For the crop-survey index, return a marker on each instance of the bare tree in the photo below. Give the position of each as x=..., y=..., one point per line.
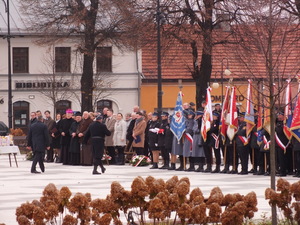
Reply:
x=267, y=36
x=193, y=23
x=54, y=86
x=92, y=22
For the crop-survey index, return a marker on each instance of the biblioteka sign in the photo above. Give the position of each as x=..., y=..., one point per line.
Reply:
x=41, y=85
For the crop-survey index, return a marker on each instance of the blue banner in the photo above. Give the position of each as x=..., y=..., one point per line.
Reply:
x=178, y=119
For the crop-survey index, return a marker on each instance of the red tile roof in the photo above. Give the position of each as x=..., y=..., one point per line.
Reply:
x=177, y=58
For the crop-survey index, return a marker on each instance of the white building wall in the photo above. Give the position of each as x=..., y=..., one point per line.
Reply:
x=124, y=91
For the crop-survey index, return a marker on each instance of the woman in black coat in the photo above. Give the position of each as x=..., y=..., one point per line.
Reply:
x=74, y=149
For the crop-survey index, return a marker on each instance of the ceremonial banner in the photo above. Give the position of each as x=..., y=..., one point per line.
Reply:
x=207, y=116
x=288, y=111
x=259, y=125
x=267, y=118
x=223, y=126
x=295, y=125
x=232, y=117
x=178, y=120
x=249, y=117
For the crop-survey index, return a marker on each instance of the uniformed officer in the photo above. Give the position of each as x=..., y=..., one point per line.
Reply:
x=214, y=141
x=153, y=139
x=296, y=149
x=281, y=145
x=161, y=140
x=242, y=144
x=198, y=150
x=188, y=140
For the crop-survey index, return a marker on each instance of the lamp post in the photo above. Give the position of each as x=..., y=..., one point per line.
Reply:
x=159, y=79
x=8, y=37
x=227, y=72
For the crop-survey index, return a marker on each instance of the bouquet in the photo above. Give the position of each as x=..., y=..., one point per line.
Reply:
x=140, y=160
x=106, y=157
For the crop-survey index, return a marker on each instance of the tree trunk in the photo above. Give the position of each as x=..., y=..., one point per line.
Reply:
x=87, y=83
x=87, y=78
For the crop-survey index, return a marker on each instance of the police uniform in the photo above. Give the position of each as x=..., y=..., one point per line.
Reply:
x=161, y=141
x=281, y=148
x=296, y=149
x=214, y=141
x=188, y=137
x=197, y=149
x=242, y=146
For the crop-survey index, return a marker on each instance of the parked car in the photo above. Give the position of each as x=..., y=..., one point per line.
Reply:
x=3, y=129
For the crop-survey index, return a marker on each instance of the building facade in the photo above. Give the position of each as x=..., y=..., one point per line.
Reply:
x=47, y=77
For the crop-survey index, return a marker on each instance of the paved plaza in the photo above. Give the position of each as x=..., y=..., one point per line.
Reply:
x=18, y=185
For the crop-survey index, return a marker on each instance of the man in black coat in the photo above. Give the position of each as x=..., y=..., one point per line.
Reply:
x=242, y=144
x=97, y=131
x=38, y=141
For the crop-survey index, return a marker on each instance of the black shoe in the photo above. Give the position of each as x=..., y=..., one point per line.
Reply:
x=179, y=168
x=217, y=170
x=172, y=167
x=281, y=175
x=243, y=173
x=200, y=169
x=297, y=175
x=164, y=167
x=191, y=169
x=35, y=171
x=154, y=166
x=233, y=172
x=43, y=170
x=251, y=171
x=291, y=173
x=267, y=174
x=224, y=171
x=96, y=173
x=103, y=170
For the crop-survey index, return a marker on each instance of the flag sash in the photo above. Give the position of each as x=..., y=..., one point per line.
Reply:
x=280, y=144
x=190, y=139
x=243, y=139
x=233, y=121
x=223, y=125
x=266, y=142
x=295, y=125
x=217, y=141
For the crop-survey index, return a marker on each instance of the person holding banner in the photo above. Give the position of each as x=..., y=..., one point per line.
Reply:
x=214, y=141
x=161, y=140
x=281, y=146
x=242, y=144
x=153, y=139
x=296, y=150
x=198, y=150
x=188, y=139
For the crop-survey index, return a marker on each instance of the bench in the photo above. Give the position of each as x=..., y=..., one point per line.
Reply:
x=10, y=150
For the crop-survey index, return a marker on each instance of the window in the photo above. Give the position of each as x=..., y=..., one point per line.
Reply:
x=62, y=105
x=103, y=104
x=20, y=60
x=62, y=59
x=21, y=115
x=104, y=59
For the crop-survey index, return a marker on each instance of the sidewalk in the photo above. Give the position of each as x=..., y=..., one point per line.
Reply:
x=18, y=185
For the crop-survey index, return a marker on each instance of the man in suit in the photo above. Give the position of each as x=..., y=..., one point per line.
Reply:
x=109, y=144
x=51, y=124
x=97, y=132
x=38, y=141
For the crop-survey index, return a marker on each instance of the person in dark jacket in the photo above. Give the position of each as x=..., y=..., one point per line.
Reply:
x=97, y=132
x=169, y=141
x=214, y=140
x=55, y=134
x=38, y=142
x=50, y=123
x=129, y=132
x=153, y=139
x=74, y=149
x=296, y=149
x=65, y=136
x=242, y=144
x=161, y=140
x=281, y=145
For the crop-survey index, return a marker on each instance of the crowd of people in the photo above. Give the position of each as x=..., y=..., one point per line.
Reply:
x=84, y=139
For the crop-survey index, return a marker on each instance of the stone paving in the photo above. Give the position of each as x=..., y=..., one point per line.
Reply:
x=18, y=185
